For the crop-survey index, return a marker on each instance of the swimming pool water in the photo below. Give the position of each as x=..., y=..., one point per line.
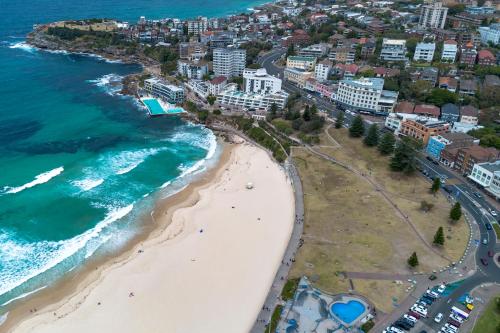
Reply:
x=348, y=312
x=154, y=106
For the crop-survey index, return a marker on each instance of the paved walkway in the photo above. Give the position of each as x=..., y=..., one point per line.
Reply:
x=273, y=298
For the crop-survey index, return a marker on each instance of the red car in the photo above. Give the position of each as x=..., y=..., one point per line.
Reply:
x=490, y=254
x=414, y=314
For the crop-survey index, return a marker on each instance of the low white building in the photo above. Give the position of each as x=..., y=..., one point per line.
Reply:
x=462, y=127
x=192, y=69
x=322, y=70
x=257, y=81
x=490, y=34
x=207, y=88
x=297, y=76
x=232, y=97
x=424, y=52
x=485, y=174
x=393, y=120
x=393, y=50
x=450, y=50
x=164, y=90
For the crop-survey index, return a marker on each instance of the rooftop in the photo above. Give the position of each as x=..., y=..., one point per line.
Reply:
x=373, y=83
x=301, y=58
x=491, y=166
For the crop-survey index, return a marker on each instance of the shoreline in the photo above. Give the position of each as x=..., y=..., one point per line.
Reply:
x=91, y=270
x=168, y=236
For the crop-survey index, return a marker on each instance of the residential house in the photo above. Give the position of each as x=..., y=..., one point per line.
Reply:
x=344, y=55
x=447, y=140
x=424, y=52
x=448, y=83
x=404, y=107
x=393, y=50
x=467, y=157
x=468, y=54
x=486, y=58
x=427, y=110
x=450, y=50
x=469, y=114
x=467, y=87
x=450, y=113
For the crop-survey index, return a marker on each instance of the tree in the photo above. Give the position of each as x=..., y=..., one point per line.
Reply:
x=290, y=51
x=211, y=99
x=371, y=139
x=272, y=111
x=386, y=144
x=413, y=260
x=426, y=206
x=440, y=97
x=339, y=122
x=357, y=127
x=404, y=159
x=456, y=212
x=436, y=184
x=439, y=237
x=307, y=114
x=314, y=110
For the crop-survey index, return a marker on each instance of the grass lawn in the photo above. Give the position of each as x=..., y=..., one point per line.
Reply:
x=406, y=192
x=394, y=293
x=489, y=320
x=275, y=319
x=497, y=229
x=289, y=289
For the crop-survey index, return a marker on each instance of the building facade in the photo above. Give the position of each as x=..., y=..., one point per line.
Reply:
x=423, y=130
x=322, y=70
x=297, y=76
x=433, y=16
x=393, y=50
x=301, y=62
x=424, y=52
x=232, y=97
x=161, y=89
x=257, y=81
x=192, y=69
x=450, y=50
x=490, y=34
x=229, y=62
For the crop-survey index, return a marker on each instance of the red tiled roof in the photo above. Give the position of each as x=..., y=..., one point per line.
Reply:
x=218, y=80
x=485, y=54
x=427, y=109
x=404, y=107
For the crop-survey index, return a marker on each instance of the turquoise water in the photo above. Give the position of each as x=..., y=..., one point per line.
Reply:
x=348, y=312
x=153, y=106
x=78, y=161
x=175, y=111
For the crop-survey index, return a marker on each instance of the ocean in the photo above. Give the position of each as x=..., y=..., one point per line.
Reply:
x=79, y=163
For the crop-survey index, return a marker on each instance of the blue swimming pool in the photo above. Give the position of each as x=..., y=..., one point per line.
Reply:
x=153, y=106
x=348, y=312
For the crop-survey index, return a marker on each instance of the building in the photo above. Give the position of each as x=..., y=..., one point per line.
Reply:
x=486, y=58
x=465, y=158
x=424, y=52
x=484, y=173
x=322, y=70
x=490, y=34
x=365, y=95
x=301, y=62
x=450, y=140
x=475, y=10
x=257, y=81
x=450, y=50
x=229, y=62
x=196, y=27
x=393, y=50
x=427, y=110
x=161, y=89
x=468, y=54
x=469, y=115
x=192, y=51
x=316, y=50
x=232, y=97
x=433, y=16
x=192, y=69
x=450, y=113
x=494, y=188
x=448, y=83
x=467, y=87
x=297, y=76
x=216, y=85
x=423, y=130
x=345, y=55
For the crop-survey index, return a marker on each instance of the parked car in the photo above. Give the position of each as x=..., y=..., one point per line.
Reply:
x=432, y=294
x=448, y=189
x=419, y=309
x=432, y=277
x=409, y=317
x=485, y=241
x=402, y=325
x=409, y=322
x=426, y=300
x=454, y=322
x=493, y=213
x=438, y=318
x=484, y=262
x=441, y=289
x=477, y=194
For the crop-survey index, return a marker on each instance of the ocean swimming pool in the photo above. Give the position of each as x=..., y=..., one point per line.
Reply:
x=348, y=312
x=156, y=109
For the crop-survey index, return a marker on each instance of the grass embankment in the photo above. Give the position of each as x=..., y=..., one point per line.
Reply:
x=275, y=319
x=489, y=322
x=497, y=229
x=350, y=226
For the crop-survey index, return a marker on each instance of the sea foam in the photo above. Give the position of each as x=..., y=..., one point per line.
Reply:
x=23, y=261
x=23, y=46
x=87, y=184
x=40, y=179
x=110, y=83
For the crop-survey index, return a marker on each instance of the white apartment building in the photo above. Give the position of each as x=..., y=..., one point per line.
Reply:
x=297, y=76
x=257, y=81
x=424, y=52
x=196, y=27
x=490, y=34
x=301, y=62
x=450, y=50
x=232, y=97
x=365, y=95
x=433, y=15
x=316, y=50
x=229, y=62
x=192, y=69
x=168, y=92
x=393, y=50
x=322, y=70
x=487, y=174
x=207, y=88
x=393, y=120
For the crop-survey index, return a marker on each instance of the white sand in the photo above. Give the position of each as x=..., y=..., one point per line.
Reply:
x=192, y=281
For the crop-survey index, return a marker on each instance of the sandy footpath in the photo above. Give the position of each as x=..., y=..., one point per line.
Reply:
x=209, y=271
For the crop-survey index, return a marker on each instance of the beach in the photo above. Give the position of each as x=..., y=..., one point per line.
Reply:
x=209, y=269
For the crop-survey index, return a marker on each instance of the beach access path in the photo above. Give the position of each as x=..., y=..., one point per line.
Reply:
x=210, y=270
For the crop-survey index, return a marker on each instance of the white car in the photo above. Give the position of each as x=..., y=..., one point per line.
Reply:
x=420, y=310
x=432, y=294
x=441, y=288
x=451, y=327
x=395, y=330
x=457, y=318
x=493, y=213
x=410, y=318
x=438, y=318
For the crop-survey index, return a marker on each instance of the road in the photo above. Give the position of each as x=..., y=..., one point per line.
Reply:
x=478, y=208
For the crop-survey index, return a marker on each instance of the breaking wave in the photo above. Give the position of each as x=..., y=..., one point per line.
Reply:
x=40, y=179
